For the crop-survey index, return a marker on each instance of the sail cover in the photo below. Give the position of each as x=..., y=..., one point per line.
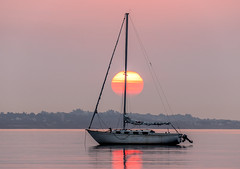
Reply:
x=138, y=122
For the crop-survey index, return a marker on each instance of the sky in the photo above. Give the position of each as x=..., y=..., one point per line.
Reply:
x=54, y=55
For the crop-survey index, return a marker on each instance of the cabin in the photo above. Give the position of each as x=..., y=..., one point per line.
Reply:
x=132, y=132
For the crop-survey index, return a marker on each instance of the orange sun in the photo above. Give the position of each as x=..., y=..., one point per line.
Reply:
x=134, y=83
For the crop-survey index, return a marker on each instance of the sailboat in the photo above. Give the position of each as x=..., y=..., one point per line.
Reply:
x=132, y=136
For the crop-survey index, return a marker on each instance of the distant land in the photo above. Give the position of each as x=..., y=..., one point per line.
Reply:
x=79, y=119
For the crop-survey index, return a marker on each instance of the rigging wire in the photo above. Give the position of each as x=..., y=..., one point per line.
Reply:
x=115, y=47
x=150, y=67
x=154, y=75
x=85, y=138
x=121, y=110
x=101, y=120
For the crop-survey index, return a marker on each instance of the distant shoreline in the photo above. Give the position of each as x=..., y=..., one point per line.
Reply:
x=79, y=119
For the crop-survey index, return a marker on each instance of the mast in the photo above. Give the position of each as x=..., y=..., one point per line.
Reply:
x=125, y=71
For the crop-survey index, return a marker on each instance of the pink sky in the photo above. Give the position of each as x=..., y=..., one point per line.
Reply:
x=54, y=54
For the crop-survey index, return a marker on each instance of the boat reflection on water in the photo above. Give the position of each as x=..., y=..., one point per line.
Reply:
x=122, y=159
x=137, y=156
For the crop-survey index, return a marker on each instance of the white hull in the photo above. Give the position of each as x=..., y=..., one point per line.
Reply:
x=106, y=137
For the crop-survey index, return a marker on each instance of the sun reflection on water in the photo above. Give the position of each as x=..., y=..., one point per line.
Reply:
x=131, y=159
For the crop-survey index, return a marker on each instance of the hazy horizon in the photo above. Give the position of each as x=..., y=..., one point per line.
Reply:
x=54, y=55
x=115, y=111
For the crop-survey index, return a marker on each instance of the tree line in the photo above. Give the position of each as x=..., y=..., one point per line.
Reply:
x=79, y=119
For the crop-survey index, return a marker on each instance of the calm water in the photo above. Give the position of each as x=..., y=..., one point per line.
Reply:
x=58, y=149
